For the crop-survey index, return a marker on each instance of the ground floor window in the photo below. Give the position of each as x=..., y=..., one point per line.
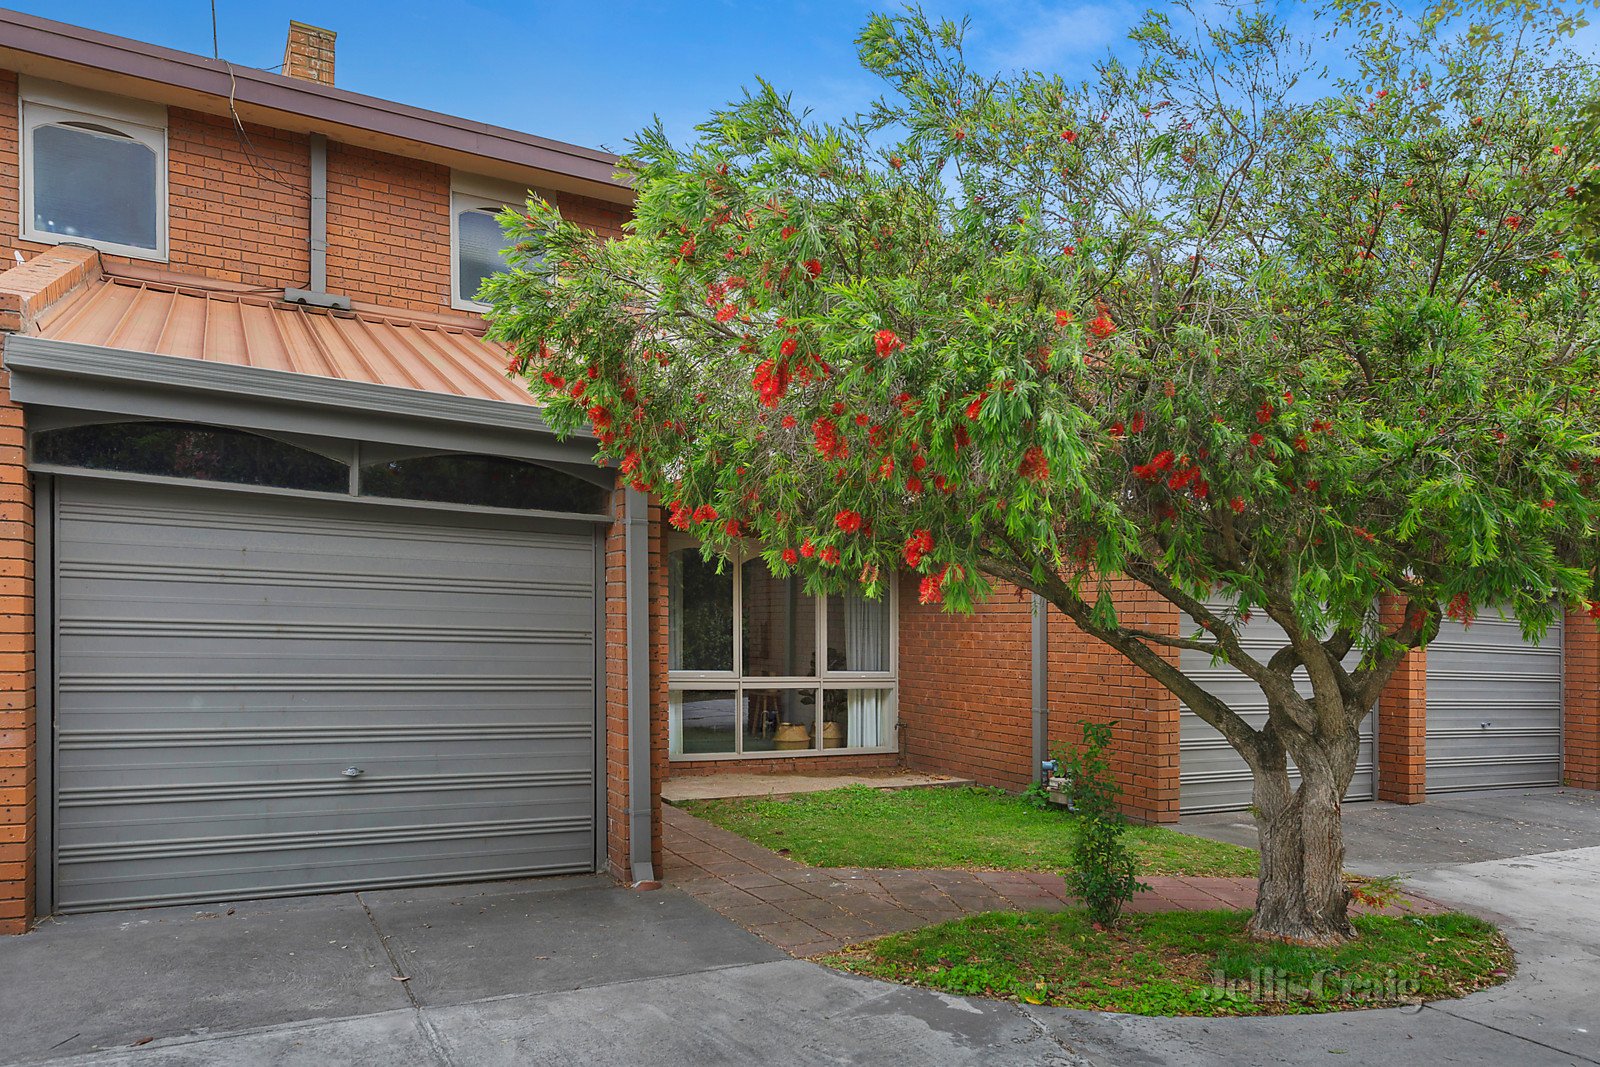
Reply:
x=758, y=667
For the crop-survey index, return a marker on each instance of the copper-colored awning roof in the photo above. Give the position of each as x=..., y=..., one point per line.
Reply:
x=250, y=330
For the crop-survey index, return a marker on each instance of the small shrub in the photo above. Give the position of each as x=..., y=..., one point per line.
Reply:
x=1102, y=873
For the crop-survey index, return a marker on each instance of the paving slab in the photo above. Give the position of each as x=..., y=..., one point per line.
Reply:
x=81, y=982
x=462, y=943
x=722, y=786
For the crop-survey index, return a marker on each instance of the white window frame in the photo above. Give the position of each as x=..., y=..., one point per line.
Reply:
x=472, y=192
x=736, y=682
x=46, y=103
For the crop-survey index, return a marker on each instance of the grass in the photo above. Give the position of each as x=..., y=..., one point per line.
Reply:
x=969, y=827
x=1187, y=963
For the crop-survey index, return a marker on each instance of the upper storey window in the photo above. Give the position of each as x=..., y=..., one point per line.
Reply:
x=94, y=170
x=478, y=245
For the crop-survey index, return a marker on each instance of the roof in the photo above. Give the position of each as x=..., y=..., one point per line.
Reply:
x=51, y=49
x=252, y=330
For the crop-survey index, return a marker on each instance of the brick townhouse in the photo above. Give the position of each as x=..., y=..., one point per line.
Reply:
x=301, y=594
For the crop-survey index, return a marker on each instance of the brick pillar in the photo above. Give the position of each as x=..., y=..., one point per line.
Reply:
x=1403, y=722
x=18, y=798
x=1581, y=690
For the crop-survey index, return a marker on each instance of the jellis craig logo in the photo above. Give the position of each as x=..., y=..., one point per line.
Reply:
x=1273, y=985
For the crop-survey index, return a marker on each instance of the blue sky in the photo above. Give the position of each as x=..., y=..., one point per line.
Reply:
x=593, y=73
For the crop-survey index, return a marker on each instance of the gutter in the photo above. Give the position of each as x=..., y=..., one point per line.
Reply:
x=636, y=547
x=588, y=171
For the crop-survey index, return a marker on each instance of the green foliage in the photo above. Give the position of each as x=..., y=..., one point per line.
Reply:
x=1207, y=320
x=1169, y=964
x=1103, y=868
x=953, y=827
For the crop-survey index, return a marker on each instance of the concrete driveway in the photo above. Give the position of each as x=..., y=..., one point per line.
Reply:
x=578, y=971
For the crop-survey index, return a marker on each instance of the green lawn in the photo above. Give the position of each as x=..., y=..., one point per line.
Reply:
x=969, y=827
x=1168, y=964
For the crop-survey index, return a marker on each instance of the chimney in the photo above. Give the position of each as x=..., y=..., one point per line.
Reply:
x=308, y=53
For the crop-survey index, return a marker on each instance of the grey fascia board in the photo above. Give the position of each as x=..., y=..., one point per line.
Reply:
x=71, y=375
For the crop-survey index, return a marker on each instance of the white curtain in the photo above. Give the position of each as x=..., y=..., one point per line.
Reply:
x=675, y=722
x=675, y=610
x=866, y=648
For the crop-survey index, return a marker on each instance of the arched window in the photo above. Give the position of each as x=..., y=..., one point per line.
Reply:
x=483, y=481
x=188, y=450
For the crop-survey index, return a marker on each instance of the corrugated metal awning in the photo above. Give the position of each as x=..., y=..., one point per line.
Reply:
x=248, y=330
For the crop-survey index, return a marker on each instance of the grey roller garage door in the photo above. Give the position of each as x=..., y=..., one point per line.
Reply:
x=261, y=695
x=1494, y=707
x=1212, y=776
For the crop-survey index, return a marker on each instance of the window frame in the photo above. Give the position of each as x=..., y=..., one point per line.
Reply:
x=736, y=682
x=46, y=104
x=461, y=202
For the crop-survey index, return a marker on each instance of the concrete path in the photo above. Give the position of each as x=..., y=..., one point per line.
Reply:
x=1450, y=828
x=811, y=911
x=718, y=786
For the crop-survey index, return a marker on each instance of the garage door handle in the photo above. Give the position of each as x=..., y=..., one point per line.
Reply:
x=1483, y=725
x=357, y=772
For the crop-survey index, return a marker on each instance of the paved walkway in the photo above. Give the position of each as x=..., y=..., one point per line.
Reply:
x=810, y=911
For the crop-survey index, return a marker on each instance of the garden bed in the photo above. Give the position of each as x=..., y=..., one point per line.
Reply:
x=1187, y=963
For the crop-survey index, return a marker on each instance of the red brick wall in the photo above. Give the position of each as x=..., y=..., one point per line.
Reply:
x=617, y=823
x=18, y=799
x=1402, y=727
x=966, y=703
x=1581, y=720
x=241, y=214
x=1090, y=681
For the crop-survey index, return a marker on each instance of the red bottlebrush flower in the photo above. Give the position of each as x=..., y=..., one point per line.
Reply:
x=1363, y=533
x=960, y=436
x=1117, y=430
x=790, y=556
x=679, y=516
x=1070, y=136
x=830, y=556
x=1034, y=466
x=1102, y=326
x=705, y=513
x=918, y=545
x=1313, y=484
x=1321, y=426
x=726, y=312
x=1301, y=444
x=554, y=380
x=1145, y=473
x=1162, y=460
x=630, y=462
x=1556, y=150
x=771, y=381
x=788, y=347
x=813, y=267
x=578, y=389
x=686, y=249
x=1063, y=318
x=1594, y=609
x=1182, y=478
x=931, y=589
x=914, y=485
x=788, y=232
x=790, y=422
x=1547, y=504
x=1288, y=397
x=863, y=419
x=1202, y=489
x=848, y=521
x=807, y=549
x=919, y=463
x=1460, y=609
x=886, y=342
x=1237, y=504
x=1513, y=222
x=976, y=405
x=599, y=416
x=838, y=407
x=1136, y=424
x=886, y=468
x=1257, y=440
x=829, y=443
x=733, y=528
x=1265, y=412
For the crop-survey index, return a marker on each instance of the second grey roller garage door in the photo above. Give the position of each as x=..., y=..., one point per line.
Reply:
x=1211, y=775
x=1494, y=707
x=263, y=695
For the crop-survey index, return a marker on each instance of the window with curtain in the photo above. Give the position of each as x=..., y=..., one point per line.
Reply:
x=756, y=666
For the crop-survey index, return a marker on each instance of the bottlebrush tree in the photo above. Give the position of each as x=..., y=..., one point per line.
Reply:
x=1202, y=321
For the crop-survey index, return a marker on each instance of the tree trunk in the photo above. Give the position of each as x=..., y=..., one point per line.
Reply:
x=1302, y=896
